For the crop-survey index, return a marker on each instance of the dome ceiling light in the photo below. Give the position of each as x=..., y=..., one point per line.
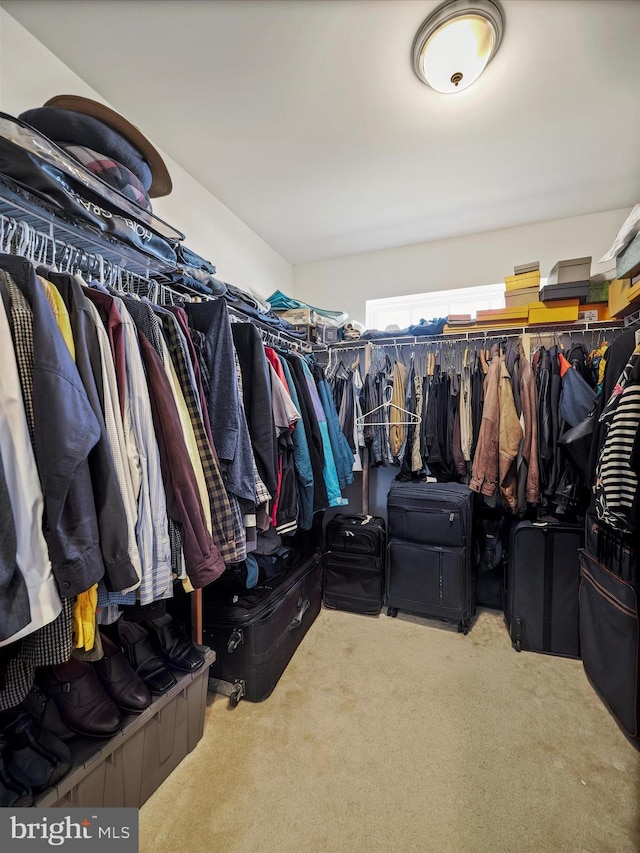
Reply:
x=456, y=43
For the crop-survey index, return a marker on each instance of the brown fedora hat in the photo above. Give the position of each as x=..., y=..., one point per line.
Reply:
x=161, y=179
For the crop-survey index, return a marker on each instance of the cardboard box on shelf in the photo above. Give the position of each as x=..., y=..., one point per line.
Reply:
x=521, y=297
x=517, y=282
x=570, y=290
x=298, y=316
x=594, y=312
x=512, y=314
x=574, y=269
x=533, y=266
x=563, y=311
x=599, y=289
x=309, y=331
x=619, y=300
x=483, y=327
x=327, y=334
x=628, y=262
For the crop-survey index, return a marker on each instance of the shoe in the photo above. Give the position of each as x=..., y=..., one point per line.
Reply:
x=143, y=657
x=80, y=698
x=28, y=762
x=43, y=710
x=13, y=794
x=120, y=680
x=174, y=645
x=46, y=743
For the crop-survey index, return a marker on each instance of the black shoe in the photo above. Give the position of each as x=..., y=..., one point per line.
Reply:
x=32, y=765
x=80, y=698
x=42, y=741
x=120, y=680
x=143, y=657
x=43, y=710
x=13, y=794
x=174, y=645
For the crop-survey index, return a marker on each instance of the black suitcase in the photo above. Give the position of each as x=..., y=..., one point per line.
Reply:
x=542, y=578
x=353, y=575
x=255, y=635
x=429, y=569
x=610, y=633
x=430, y=513
x=356, y=534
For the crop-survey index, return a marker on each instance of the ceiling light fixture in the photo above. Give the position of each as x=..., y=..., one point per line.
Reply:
x=456, y=43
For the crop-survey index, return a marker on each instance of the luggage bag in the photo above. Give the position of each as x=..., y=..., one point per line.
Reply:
x=610, y=636
x=256, y=634
x=429, y=570
x=353, y=573
x=542, y=577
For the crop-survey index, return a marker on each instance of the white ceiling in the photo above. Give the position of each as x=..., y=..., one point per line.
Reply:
x=305, y=118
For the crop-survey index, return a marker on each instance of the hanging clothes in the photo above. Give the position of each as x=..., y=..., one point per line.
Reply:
x=226, y=413
x=301, y=454
x=312, y=427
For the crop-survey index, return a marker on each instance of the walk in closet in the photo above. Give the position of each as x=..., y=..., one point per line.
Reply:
x=320, y=425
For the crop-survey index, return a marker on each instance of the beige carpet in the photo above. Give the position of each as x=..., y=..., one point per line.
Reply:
x=402, y=735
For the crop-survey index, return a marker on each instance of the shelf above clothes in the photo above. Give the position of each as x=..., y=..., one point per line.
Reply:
x=22, y=206
x=478, y=335
x=271, y=334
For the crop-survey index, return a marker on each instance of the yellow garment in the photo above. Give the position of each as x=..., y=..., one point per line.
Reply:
x=84, y=618
x=60, y=313
x=84, y=609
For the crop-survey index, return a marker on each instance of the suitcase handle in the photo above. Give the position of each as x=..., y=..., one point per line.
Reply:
x=303, y=606
x=235, y=639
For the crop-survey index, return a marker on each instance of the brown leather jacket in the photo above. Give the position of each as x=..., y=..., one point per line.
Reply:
x=494, y=463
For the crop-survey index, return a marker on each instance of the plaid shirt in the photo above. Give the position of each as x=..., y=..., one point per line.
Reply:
x=221, y=514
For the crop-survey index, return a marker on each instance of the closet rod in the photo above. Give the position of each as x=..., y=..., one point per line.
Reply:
x=23, y=239
x=278, y=336
x=20, y=205
x=485, y=334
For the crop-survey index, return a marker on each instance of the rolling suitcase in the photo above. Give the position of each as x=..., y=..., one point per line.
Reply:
x=255, y=635
x=429, y=569
x=542, y=577
x=353, y=573
x=610, y=624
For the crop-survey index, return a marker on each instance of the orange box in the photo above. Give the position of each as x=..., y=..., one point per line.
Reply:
x=512, y=314
x=600, y=308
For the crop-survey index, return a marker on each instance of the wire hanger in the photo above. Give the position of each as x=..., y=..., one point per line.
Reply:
x=412, y=418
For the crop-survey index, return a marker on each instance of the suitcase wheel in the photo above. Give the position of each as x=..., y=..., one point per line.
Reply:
x=392, y=611
x=236, y=694
x=517, y=645
x=463, y=628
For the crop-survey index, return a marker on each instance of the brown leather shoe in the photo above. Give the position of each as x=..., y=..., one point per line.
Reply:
x=120, y=680
x=80, y=698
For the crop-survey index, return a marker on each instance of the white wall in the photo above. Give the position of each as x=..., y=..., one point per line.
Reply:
x=345, y=283
x=30, y=74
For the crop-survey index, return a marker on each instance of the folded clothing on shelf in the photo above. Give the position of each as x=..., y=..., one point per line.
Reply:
x=34, y=163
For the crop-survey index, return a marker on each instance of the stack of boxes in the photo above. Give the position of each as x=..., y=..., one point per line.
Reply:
x=308, y=321
x=624, y=292
x=569, y=295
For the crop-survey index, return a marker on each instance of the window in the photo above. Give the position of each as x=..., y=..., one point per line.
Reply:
x=403, y=311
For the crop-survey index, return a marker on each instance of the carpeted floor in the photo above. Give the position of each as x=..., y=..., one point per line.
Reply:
x=402, y=735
